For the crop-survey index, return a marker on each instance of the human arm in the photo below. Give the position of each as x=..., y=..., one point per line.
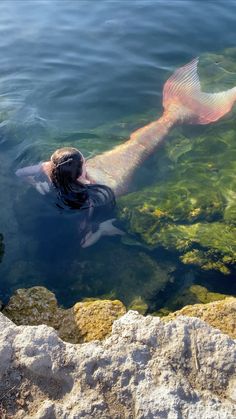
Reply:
x=30, y=173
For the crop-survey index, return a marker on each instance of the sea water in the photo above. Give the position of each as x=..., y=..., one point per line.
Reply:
x=86, y=74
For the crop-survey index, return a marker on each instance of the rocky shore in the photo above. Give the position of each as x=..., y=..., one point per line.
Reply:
x=85, y=321
x=145, y=369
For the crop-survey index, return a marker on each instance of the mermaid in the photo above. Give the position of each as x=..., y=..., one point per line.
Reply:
x=96, y=182
x=64, y=179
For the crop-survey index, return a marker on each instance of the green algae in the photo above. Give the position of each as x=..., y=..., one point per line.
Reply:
x=189, y=205
x=195, y=294
x=202, y=295
x=138, y=304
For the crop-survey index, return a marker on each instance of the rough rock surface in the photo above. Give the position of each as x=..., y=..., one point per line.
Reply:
x=219, y=314
x=83, y=322
x=145, y=369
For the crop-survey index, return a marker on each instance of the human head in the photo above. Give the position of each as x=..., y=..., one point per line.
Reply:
x=67, y=166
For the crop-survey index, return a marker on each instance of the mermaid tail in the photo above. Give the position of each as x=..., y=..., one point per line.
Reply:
x=183, y=102
x=183, y=90
x=106, y=228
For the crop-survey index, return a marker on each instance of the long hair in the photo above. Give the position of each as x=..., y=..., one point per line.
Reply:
x=67, y=168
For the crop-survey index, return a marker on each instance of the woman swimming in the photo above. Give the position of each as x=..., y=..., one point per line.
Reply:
x=64, y=176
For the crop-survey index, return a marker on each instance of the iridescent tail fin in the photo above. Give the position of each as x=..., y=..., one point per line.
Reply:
x=182, y=90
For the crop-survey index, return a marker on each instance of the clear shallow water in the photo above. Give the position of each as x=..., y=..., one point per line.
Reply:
x=73, y=73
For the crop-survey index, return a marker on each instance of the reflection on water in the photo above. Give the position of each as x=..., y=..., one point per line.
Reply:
x=83, y=76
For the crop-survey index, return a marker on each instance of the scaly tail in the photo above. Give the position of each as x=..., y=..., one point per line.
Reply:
x=182, y=94
x=183, y=101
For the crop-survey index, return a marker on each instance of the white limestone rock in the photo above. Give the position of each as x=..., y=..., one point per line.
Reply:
x=146, y=369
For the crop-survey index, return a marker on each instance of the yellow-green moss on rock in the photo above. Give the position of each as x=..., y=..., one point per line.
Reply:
x=85, y=321
x=94, y=319
x=219, y=314
x=138, y=304
x=202, y=295
x=194, y=294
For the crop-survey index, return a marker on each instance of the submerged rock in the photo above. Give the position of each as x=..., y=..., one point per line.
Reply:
x=219, y=314
x=204, y=296
x=38, y=305
x=85, y=321
x=197, y=294
x=32, y=306
x=139, y=305
x=190, y=295
x=126, y=273
x=145, y=369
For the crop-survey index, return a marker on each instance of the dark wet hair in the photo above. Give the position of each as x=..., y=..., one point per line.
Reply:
x=67, y=167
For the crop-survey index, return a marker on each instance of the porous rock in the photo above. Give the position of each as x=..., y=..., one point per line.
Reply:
x=94, y=319
x=145, y=369
x=220, y=314
x=83, y=322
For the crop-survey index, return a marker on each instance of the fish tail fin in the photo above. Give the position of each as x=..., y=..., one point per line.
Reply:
x=182, y=91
